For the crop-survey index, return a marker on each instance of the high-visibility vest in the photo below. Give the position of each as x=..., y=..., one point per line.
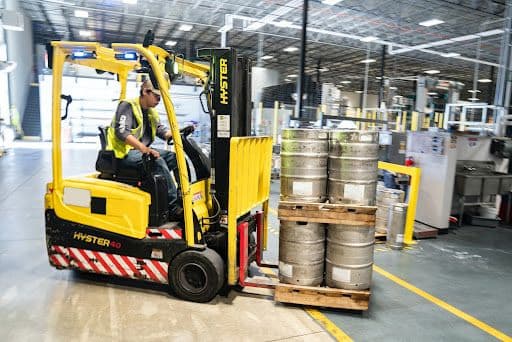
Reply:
x=117, y=145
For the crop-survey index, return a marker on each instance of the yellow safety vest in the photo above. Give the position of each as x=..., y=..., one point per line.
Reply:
x=121, y=148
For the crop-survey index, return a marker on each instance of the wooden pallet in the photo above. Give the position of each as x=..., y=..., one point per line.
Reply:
x=327, y=213
x=422, y=231
x=380, y=237
x=322, y=296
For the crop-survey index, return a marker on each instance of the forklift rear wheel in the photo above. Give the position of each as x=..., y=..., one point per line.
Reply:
x=197, y=275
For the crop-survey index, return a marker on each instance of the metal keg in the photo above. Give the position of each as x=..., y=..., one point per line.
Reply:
x=385, y=199
x=301, y=253
x=349, y=256
x=396, y=226
x=304, y=165
x=353, y=158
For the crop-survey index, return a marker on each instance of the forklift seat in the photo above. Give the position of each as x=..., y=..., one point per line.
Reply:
x=154, y=184
x=107, y=163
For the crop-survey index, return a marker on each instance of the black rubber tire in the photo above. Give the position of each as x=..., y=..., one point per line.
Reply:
x=196, y=276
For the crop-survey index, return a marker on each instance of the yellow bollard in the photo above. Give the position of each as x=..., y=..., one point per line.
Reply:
x=414, y=121
x=276, y=118
x=404, y=121
x=358, y=115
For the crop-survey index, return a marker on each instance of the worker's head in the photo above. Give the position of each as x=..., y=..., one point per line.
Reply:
x=149, y=95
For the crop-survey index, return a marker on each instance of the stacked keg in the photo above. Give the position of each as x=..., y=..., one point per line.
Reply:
x=303, y=165
x=386, y=198
x=303, y=179
x=353, y=158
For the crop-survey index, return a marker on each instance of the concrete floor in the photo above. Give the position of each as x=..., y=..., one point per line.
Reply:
x=469, y=268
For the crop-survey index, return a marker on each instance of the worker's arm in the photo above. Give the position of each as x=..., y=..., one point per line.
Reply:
x=135, y=143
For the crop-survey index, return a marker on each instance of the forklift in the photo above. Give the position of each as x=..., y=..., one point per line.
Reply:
x=115, y=223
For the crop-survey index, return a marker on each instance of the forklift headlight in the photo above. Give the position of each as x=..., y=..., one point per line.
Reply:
x=126, y=56
x=83, y=55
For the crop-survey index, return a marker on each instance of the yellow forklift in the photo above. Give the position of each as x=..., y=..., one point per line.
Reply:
x=115, y=223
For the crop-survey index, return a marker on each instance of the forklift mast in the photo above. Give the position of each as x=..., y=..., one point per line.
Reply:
x=230, y=109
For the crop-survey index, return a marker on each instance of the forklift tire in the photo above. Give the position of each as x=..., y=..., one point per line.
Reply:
x=196, y=275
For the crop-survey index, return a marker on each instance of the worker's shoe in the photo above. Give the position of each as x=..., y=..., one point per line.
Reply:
x=176, y=215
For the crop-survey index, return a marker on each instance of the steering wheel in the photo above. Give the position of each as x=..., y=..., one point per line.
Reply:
x=184, y=132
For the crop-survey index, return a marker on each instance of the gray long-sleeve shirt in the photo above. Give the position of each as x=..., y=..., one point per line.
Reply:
x=125, y=121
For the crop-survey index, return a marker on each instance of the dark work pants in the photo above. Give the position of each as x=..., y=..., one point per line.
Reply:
x=164, y=165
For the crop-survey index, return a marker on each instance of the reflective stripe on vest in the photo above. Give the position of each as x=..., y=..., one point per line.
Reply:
x=121, y=148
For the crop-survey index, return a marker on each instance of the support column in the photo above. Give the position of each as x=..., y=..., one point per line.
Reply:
x=301, y=78
x=382, y=66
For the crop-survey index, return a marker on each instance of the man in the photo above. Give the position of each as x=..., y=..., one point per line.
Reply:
x=135, y=125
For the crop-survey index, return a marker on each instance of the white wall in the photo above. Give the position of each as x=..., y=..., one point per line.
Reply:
x=262, y=77
x=94, y=103
x=353, y=100
x=20, y=49
x=4, y=83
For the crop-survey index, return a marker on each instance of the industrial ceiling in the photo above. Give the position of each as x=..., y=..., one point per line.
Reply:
x=340, y=35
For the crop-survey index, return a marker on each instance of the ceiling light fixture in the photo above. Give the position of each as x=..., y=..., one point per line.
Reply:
x=81, y=14
x=255, y=26
x=171, y=43
x=473, y=99
x=185, y=27
x=291, y=49
x=346, y=82
x=331, y=2
x=369, y=60
x=292, y=76
x=368, y=39
x=432, y=93
x=490, y=33
x=393, y=88
x=432, y=72
x=282, y=23
x=431, y=22
x=451, y=54
x=287, y=80
x=359, y=91
x=323, y=69
x=266, y=57
x=484, y=80
x=474, y=91
x=85, y=33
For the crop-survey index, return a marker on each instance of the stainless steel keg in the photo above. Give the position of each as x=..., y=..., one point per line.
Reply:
x=396, y=226
x=349, y=256
x=304, y=165
x=385, y=199
x=301, y=253
x=353, y=158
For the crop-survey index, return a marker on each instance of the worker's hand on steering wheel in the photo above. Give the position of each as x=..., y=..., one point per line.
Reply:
x=187, y=130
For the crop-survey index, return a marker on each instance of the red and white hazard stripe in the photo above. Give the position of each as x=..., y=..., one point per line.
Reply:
x=168, y=234
x=58, y=257
x=112, y=264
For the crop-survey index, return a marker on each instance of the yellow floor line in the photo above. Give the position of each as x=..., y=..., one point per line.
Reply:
x=332, y=328
x=461, y=314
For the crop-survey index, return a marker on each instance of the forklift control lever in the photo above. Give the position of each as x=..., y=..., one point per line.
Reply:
x=68, y=102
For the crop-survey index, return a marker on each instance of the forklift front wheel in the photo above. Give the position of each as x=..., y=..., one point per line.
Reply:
x=196, y=275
